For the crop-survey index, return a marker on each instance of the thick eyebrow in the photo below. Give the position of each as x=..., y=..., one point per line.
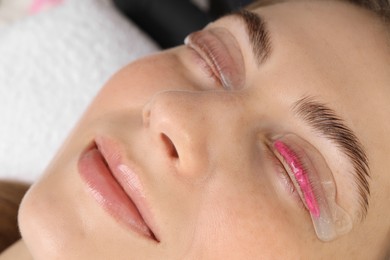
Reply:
x=320, y=117
x=325, y=121
x=258, y=34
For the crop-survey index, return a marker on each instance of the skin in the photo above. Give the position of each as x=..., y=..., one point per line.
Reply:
x=221, y=198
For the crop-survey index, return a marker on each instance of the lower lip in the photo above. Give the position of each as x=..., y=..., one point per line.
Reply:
x=108, y=193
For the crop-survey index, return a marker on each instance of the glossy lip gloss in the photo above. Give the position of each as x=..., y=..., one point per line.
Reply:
x=115, y=186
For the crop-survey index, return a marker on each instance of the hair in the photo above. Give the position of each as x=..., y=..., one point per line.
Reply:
x=11, y=194
x=380, y=7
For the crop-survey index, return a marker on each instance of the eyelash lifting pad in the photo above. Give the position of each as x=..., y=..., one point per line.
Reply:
x=315, y=185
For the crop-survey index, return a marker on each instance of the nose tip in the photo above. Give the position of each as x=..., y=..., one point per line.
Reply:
x=176, y=127
x=162, y=137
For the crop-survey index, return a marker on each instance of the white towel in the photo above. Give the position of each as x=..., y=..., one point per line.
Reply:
x=51, y=66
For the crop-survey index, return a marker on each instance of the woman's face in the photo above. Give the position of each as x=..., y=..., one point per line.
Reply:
x=191, y=134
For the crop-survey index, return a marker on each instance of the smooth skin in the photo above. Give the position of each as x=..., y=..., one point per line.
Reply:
x=220, y=197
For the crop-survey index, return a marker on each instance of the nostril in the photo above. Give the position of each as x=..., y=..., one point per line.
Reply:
x=171, y=149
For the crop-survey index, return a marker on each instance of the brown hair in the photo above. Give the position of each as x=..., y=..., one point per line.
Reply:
x=380, y=7
x=11, y=194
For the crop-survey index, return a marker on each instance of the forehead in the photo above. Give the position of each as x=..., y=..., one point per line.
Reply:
x=341, y=49
x=340, y=53
x=348, y=32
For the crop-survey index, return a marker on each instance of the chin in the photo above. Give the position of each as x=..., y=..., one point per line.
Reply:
x=48, y=217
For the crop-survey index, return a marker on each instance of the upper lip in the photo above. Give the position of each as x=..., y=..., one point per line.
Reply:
x=126, y=174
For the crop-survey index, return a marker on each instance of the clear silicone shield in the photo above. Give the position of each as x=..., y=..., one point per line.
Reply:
x=315, y=184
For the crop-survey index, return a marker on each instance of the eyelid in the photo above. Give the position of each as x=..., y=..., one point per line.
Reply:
x=314, y=181
x=222, y=52
x=208, y=70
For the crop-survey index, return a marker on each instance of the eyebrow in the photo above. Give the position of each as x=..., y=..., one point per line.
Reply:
x=318, y=116
x=325, y=121
x=258, y=33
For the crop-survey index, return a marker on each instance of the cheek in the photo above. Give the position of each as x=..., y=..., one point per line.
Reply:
x=137, y=83
x=243, y=223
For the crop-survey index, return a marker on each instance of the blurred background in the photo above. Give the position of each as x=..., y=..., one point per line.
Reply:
x=166, y=21
x=169, y=21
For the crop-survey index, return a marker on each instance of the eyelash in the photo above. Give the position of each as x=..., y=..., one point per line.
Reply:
x=288, y=182
x=211, y=71
x=215, y=60
x=208, y=67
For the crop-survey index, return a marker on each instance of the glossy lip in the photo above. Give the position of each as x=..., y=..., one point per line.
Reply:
x=116, y=186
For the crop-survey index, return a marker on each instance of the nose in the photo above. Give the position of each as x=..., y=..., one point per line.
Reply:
x=187, y=127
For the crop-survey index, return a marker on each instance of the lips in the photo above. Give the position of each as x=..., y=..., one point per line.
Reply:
x=115, y=186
